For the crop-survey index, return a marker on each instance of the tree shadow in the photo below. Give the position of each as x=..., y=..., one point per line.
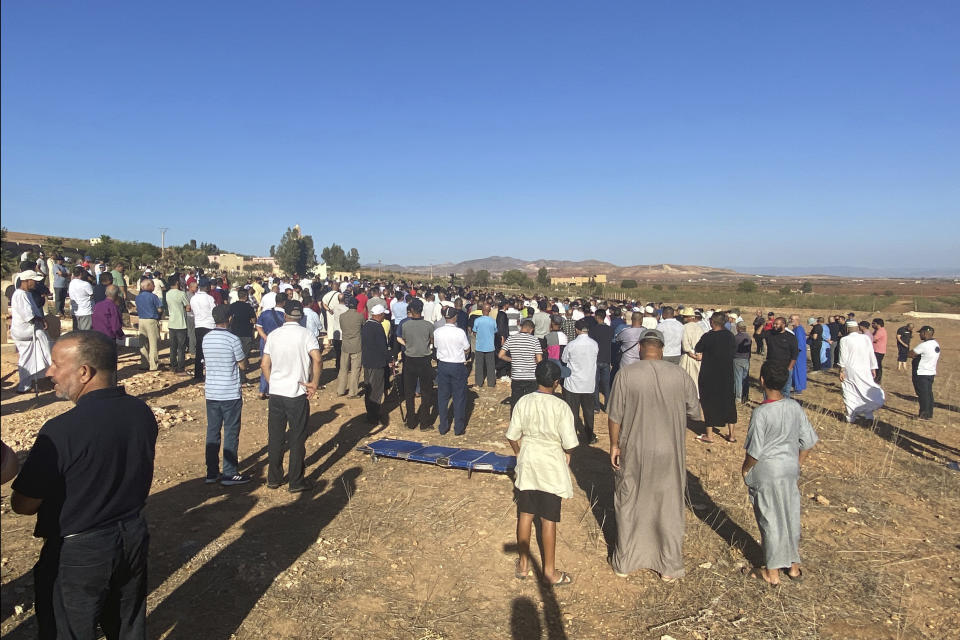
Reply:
x=238, y=575
x=712, y=515
x=594, y=475
x=912, y=443
x=520, y=620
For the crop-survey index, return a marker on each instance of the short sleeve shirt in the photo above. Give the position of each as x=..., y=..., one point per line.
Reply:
x=523, y=349
x=929, y=353
x=485, y=327
x=91, y=466
x=544, y=425
x=417, y=334
x=289, y=349
x=451, y=343
x=221, y=352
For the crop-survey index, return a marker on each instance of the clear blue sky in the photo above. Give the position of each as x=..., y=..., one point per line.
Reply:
x=701, y=132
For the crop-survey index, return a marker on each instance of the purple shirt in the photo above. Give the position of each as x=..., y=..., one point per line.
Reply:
x=106, y=319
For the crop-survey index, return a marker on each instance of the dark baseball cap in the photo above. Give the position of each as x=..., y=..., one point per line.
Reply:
x=293, y=308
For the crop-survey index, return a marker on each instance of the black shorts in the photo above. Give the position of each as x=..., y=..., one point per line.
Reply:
x=902, y=354
x=539, y=503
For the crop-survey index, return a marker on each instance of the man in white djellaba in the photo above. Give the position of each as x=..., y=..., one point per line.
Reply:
x=858, y=369
x=28, y=330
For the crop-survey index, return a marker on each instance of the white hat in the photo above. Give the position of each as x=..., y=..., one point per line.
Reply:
x=852, y=323
x=648, y=309
x=378, y=309
x=636, y=309
x=29, y=274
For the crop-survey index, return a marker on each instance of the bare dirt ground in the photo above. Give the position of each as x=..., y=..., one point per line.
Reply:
x=394, y=549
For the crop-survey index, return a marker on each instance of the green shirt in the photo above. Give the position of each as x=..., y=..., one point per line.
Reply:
x=119, y=280
x=177, y=309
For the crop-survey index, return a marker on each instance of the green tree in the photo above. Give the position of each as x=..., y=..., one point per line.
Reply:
x=52, y=246
x=482, y=278
x=334, y=257
x=807, y=287
x=295, y=252
x=353, y=260
x=785, y=290
x=543, y=277
x=747, y=286
x=628, y=284
x=515, y=277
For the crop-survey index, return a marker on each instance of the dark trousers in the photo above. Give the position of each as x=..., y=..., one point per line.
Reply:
x=584, y=401
x=178, y=349
x=60, y=293
x=198, y=363
x=223, y=415
x=758, y=338
x=283, y=411
x=418, y=370
x=603, y=385
x=502, y=366
x=520, y=388
x=98, y=577
x=247, y=344
x=815, y=347
x=373, y=392
x=923, y=385
x=452, y=382
x=337, y=346
x=484, y=368
x=879, y=366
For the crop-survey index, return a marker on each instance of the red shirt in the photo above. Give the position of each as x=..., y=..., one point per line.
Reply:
x=362, y=305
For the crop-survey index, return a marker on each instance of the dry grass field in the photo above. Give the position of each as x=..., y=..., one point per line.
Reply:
x=393, y=549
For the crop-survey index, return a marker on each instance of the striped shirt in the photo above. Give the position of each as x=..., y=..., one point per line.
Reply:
x=221, y=352
x=523, y=348
x=513, y=320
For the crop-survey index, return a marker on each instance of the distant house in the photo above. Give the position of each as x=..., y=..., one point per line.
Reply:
x=227, y=261
x=94, y=241
x=268, y=264
x=600, y=278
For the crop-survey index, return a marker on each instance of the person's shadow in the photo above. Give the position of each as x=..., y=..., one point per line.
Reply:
x=524, y=619
x=594, y=475
x=217, y=597
x=712, y=515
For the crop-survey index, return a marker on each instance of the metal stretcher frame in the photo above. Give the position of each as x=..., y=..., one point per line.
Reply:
x=447, y=457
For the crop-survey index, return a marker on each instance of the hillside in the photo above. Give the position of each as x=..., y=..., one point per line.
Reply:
x=498, y=264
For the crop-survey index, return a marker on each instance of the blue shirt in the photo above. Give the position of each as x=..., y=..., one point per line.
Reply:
x=221, y=352
x=398, y=311
x=148, y=306
x=484, y=327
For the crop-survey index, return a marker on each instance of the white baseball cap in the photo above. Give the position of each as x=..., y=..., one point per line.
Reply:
x=378, y=309
x=30, y=274
x=648, y=309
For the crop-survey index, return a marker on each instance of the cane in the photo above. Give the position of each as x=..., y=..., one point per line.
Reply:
x=36, y=384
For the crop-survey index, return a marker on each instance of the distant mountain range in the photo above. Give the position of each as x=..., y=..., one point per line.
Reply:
x=496, y=265
x=851, y=272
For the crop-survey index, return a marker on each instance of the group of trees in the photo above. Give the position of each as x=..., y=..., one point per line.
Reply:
x=337, y=259
x=479, y=278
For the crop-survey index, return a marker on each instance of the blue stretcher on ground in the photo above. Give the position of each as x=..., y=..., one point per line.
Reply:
x=448, y=457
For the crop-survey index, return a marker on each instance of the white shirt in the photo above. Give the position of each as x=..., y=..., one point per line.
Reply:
x=576, y=315
x=581, y=355
x=544, y=425
x=81, y=297
x=451, y=343
x=305, y=284
x=289, y=348
x=672, y=332
x=649, y=322
x=314, y=321
x=23, y=309
x=929, y=352
x=202, y=305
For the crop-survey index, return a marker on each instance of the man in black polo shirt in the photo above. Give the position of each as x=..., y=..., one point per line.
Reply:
x=782, y=350
x=87, y=478
x=242, y=318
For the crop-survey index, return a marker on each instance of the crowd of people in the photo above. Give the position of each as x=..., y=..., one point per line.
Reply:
x=650, y=367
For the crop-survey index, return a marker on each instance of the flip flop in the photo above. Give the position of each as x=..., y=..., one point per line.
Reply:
x=563, y=580
x=516, y=571
x=729, y=439
x=702, y=438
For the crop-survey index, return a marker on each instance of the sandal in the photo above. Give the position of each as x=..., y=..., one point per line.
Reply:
x=729, y=439
x=516, y=570
x=562, y=580
x=704, y=439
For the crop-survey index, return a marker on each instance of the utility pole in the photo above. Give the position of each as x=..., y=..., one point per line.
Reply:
x=163, y=235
